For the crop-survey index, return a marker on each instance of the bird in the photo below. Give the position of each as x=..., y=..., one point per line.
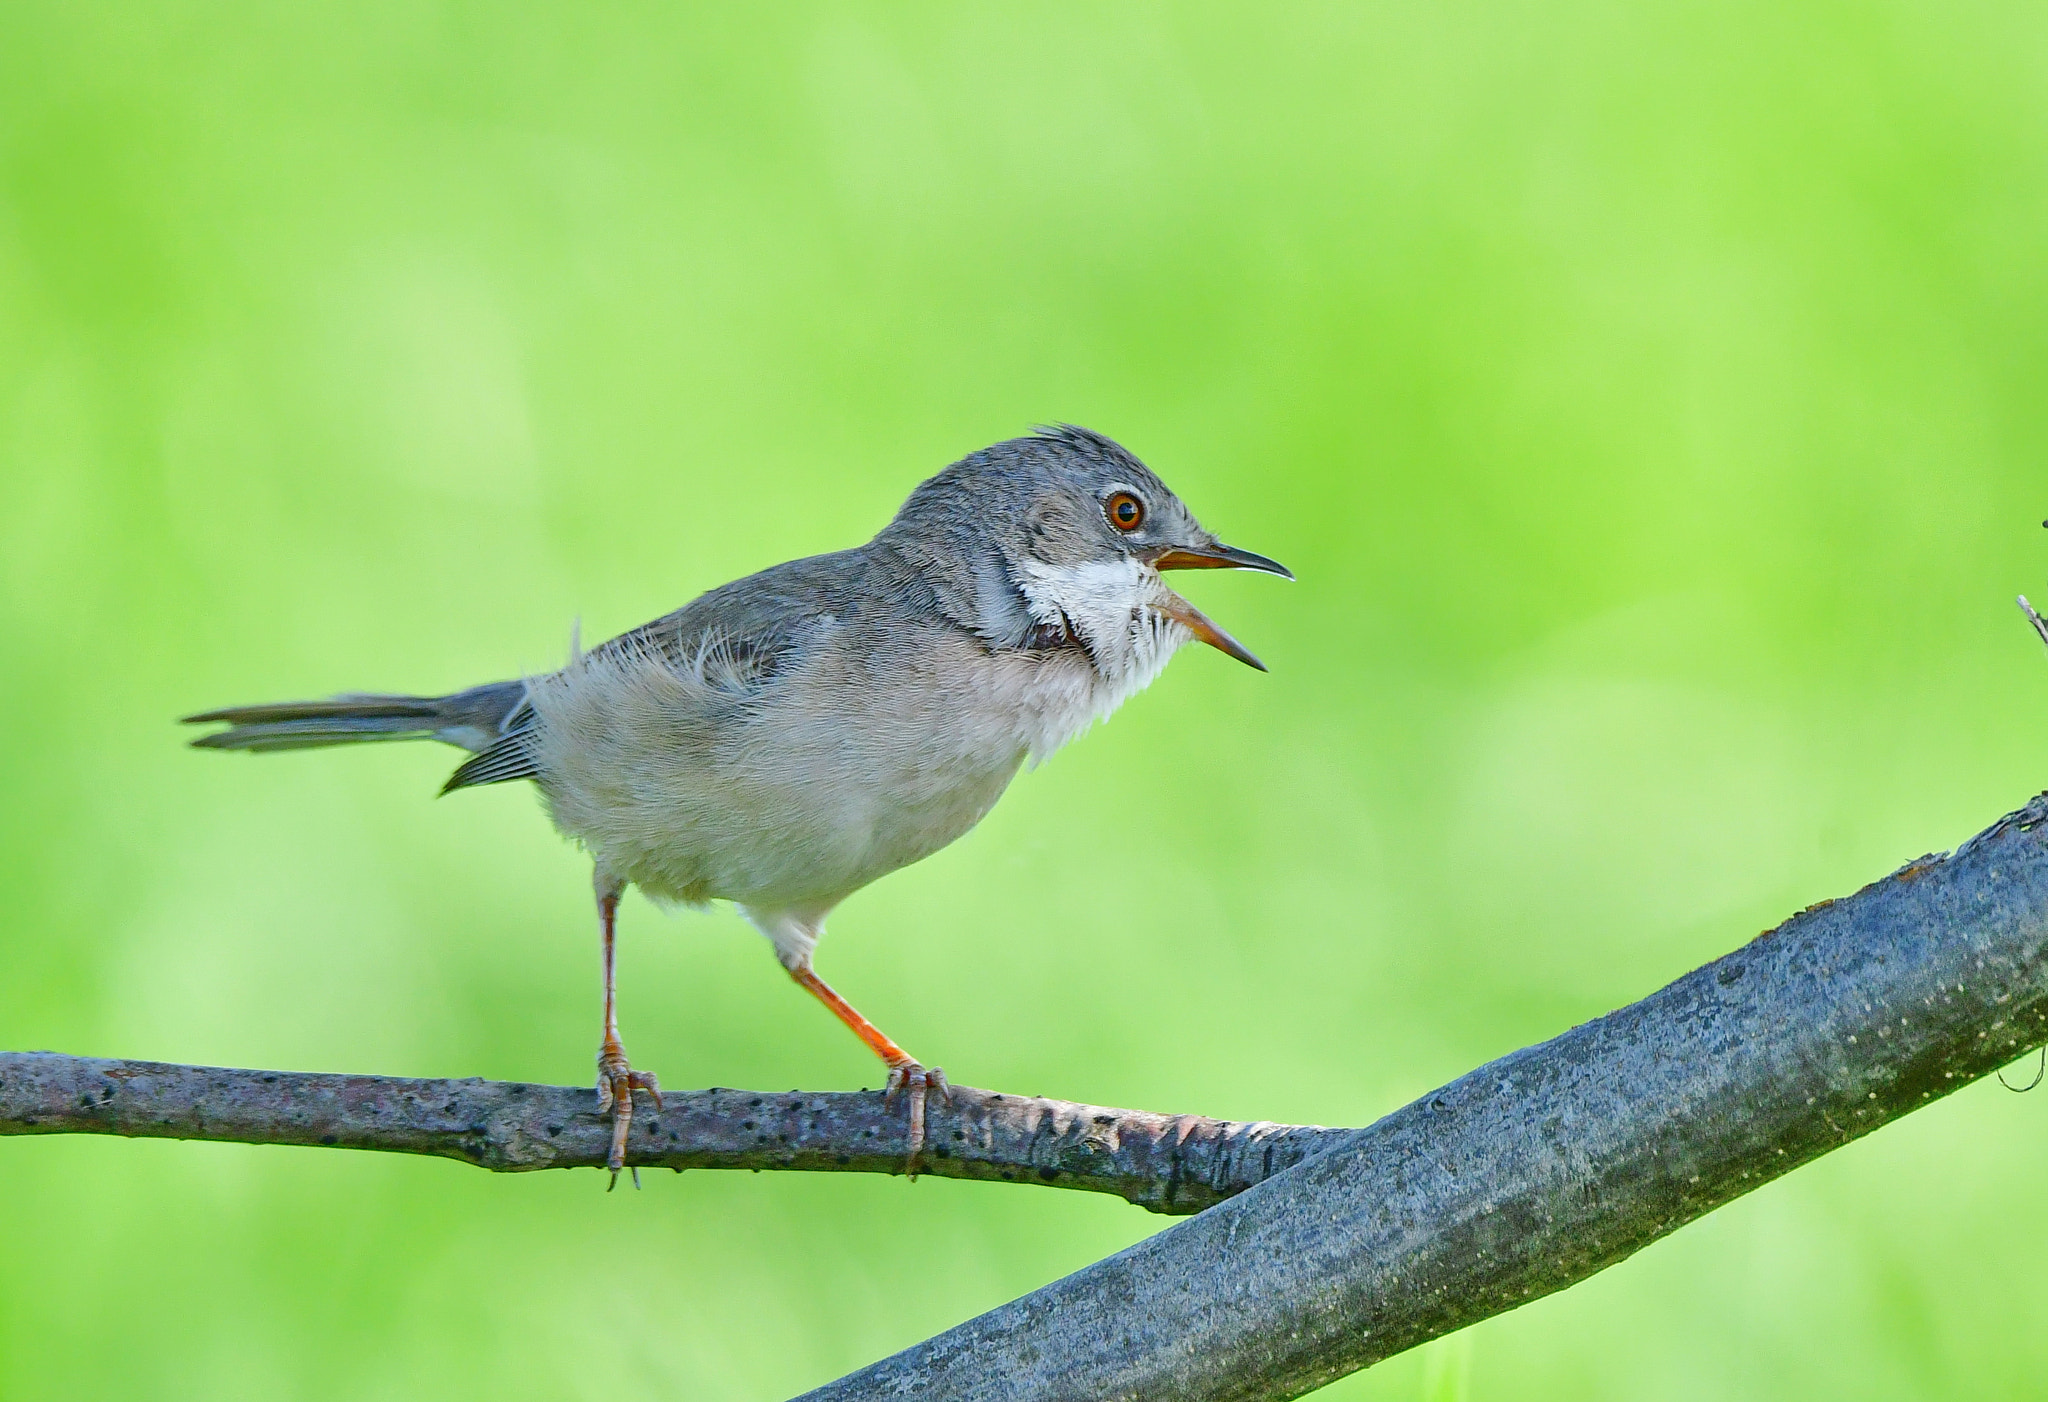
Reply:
x=785, y=739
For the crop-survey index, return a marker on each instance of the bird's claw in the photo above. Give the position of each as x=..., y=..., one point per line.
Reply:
x=616, y=1082
x=916, y=1082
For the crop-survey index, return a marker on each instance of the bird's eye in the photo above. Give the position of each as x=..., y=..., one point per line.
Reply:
x=1125, y=511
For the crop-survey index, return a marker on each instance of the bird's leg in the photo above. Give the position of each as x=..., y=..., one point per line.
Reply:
x=616, y=1078
x=906, y=1076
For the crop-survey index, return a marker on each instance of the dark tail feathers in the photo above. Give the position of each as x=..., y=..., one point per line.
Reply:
x=475, y=720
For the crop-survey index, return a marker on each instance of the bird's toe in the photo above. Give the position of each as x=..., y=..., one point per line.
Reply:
x=916, y=1084
x=616, y=1082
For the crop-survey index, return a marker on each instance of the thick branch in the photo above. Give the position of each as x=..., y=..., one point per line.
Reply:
x=1550, y=1164
x=1519, y=1179
x=1168, y=1163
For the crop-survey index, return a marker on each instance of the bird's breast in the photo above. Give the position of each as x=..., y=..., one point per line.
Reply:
x=859, y=762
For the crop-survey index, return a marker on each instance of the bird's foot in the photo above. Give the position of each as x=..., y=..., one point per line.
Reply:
x=909, y=1079
x=616, y=1082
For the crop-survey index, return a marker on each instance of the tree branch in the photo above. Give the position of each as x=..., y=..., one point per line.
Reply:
x=1167, y=1163
x=1550, y=1164
x=1325, y=1250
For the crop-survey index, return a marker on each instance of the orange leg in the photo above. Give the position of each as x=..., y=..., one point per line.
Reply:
x=616, y=1078
x=905, y=1074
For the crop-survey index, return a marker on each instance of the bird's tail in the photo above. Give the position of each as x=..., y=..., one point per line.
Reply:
x=475, y=720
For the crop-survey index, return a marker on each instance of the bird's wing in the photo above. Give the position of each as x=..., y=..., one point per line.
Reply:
x=732, y=652
x=741, y=635
x=735, y=639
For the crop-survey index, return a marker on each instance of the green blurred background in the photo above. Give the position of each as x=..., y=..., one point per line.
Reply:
x=1649, y=399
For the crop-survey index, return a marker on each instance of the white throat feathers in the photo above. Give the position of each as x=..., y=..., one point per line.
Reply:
x=1111, y=608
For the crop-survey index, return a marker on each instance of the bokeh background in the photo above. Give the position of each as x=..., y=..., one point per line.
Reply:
x=1650, y=400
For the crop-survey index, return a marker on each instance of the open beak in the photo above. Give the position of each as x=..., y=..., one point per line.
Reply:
x=1197, y=622
x=1213, y=557
x=1217, y=557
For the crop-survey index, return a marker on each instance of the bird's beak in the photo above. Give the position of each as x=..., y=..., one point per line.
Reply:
x=1197, y=622
x=1217, y=557
x=1214, y=556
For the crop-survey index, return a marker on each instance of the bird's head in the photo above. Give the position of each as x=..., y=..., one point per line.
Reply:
x=1066, y=532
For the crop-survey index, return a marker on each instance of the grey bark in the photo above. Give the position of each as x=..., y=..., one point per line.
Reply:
x=1550, y=1164
x=1334, y=1248
x=1167, y=1163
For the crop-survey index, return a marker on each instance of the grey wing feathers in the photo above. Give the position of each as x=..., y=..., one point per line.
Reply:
x=740, y=635
x=737, y=639
x=728, y=649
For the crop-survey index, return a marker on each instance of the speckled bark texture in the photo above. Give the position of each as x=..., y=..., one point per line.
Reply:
x=1550, y=1164
x=1168, y=1163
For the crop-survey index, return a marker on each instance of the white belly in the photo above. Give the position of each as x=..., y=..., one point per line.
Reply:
x=824, y=781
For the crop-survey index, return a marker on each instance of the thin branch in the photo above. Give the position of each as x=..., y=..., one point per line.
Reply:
x=1167, y=1163
x=2040, y=626
x=1548, y=1165
x=1325, y=1250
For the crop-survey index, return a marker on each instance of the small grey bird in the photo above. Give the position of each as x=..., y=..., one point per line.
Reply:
x=791, y=736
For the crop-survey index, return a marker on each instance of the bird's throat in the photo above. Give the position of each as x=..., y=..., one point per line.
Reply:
x=1119, y=612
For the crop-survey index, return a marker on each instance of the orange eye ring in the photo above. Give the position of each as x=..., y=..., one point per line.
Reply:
x=1124, y=511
